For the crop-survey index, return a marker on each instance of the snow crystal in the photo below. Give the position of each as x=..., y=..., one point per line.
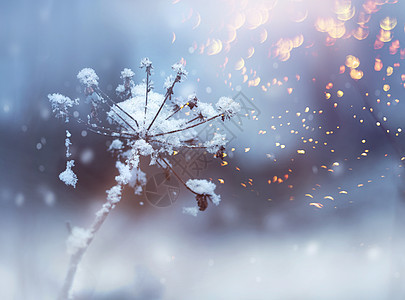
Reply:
x=77, y=240
x=207, y=110
x=228, y=106
x=138, y=179
x=127, y=73
x=125, y=173
x=114, y=194
x=179, y=69
x=60, y=104
x=168, y=81
x=68, y=143
x=192, y=211
x=204, y=187
x=88, y=77
x=143, y=147
x=120, y=88
x=215, y=144
x=145, y=63
x=116, y=145
x=68, y=176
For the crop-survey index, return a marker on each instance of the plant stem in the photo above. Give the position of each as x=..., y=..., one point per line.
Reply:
x=175, y=112
x=175, y=174
x=168, y=94
x=147, y=91
x=185, y=128
x=76, y=258
x=119, y=107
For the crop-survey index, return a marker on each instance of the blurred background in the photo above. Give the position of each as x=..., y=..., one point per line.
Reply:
x=312, y=188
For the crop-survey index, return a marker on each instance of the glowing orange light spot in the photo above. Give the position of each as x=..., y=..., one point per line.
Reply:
x=378, y=65
x=356, y=74
x=352, y=61
x=388, y=23
x=385, y=36
x=360, y=33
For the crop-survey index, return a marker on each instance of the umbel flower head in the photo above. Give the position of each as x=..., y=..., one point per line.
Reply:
x=144, y=123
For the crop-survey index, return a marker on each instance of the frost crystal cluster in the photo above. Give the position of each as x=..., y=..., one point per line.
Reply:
x=144, y=123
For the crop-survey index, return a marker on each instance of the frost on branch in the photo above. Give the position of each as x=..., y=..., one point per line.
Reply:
x=114, y=194
x=60, y=105
x=88, y=77
x=127, y=73
x=68, y=143
x=77, y=240
x=179, y=69
x=217, y=143
x=116, y=145
x=68, y=176
x=205, y=191
x=227, y=107
x=145, y=63
x=147, y=124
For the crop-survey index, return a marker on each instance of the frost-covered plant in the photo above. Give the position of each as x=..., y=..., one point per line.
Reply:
x=143, y=124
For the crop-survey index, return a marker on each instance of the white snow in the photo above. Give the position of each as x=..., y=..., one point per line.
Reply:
x=145, y=63
x=68, y=176
x=116, y=145
x=125, y=173
x=204, y=187
x=120, y=88
x=138, y=180
x=168, y=81
x=179, y=69
x=127, y=73
x=207, y=110
x=228, y=106
x=143, y=147
x=215, y=143
x=88, y=77
x=114, y=194
x=60, y=104
x=68, y=143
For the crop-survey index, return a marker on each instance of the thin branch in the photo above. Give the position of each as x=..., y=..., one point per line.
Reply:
x=169, y=92
x=76, y=258
x=188, y=127
x=175, y=174
x=103, y=130
x=192, y=120
x=182, y=146
x=119, y=107
x=175, y=112
x=147, y=91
